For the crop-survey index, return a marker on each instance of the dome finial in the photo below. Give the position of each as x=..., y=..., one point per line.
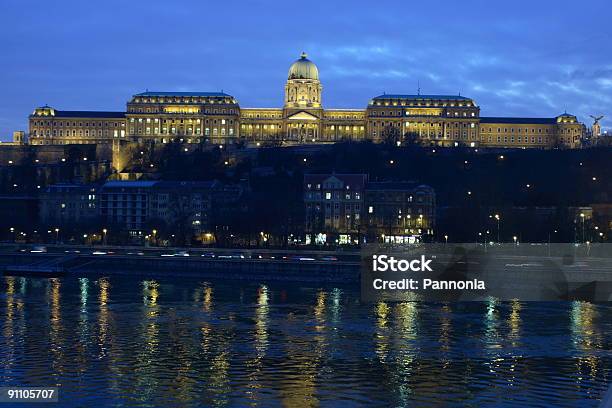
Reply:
x=303, y=55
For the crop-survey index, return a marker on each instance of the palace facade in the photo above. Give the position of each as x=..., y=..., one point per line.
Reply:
x=216, y=117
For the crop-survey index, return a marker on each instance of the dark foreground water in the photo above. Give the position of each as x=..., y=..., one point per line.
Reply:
x=173, y=343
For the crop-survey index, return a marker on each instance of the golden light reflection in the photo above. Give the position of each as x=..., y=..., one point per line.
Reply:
x=261, y=320
x=255, y=364
x=150, y=293
x=55, y=334
x=319, y=310
x=406, y=319
x=381, y=337
x=8, y=329
x=514, y=320
x=382, y=312
x=103, y=314
x=445, y=329
x=585, y=336
x=208, y=298
x=299, y=388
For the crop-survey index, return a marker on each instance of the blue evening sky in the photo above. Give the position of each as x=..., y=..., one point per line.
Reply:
x=515, y=58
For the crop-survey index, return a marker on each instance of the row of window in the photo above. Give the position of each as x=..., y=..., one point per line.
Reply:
x=196, y=121
x=411, y=103
x=407, y=113
x=132, y=109
x=188, y=99
x=75, y=124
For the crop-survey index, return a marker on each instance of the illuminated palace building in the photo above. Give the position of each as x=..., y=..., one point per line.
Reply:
x=216, y=117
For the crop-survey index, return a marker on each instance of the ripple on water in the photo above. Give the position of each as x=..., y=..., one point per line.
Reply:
x=121, y=341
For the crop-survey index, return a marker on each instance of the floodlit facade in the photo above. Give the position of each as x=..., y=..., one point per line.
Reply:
x=217, y=117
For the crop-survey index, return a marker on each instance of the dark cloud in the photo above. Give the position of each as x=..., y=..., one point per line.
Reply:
x=515, y=58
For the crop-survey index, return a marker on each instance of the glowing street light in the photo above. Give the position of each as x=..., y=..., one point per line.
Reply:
x=498, y=218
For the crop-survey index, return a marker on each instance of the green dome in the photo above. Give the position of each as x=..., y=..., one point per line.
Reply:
x=303, y=69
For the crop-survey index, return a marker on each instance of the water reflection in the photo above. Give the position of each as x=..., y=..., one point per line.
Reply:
x=111, y=341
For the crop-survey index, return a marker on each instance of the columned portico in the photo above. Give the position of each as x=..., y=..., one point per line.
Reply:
x=303, y=127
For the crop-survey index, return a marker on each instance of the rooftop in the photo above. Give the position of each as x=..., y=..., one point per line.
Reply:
x=534, y=121
x=87, y=114
x=422, y=97
x=355, y=180
x=206, y=94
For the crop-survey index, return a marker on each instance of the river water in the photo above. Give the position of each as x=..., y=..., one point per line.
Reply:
x=119, y=341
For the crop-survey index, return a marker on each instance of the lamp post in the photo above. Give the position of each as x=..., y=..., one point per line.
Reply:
x=497, y=217
x=445, y=239
x=154, y=237
x=104, y=231
x=57, y=235
x=12, y=229
x=582, y=216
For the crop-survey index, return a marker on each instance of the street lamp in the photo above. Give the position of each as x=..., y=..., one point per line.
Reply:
x=154, y=237
x=104, y=231
x=446, y=239
x=56, y=235
x=582, y=216
x=515, y=238
x=498, y=218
